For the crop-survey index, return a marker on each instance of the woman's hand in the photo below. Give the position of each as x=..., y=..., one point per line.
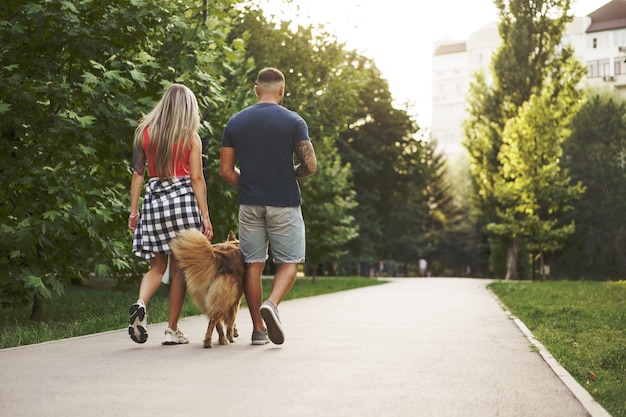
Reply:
x=133, y=220
x=207, y=227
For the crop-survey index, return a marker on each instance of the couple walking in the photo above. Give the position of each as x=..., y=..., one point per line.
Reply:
x=256, y=156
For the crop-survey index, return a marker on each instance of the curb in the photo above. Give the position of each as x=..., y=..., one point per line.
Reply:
x=582, y=395
x=591, y=405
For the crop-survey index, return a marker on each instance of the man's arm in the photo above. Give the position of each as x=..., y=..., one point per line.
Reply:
x=228, y=170
x=306, y=156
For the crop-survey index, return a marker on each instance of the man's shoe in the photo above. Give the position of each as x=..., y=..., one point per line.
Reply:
x=269, y=312
x=174, y=337
x=259, y=338
x=138, y=329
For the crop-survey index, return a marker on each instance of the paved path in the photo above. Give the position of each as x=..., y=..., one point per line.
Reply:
x=439, y=347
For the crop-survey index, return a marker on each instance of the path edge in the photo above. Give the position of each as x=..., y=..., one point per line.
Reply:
x=594, y=408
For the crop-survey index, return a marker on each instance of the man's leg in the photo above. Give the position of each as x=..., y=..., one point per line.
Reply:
x=253, y=290
x=287, y=241
x=283, y=281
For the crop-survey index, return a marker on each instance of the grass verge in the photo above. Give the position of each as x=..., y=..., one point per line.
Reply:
x=583, y=325
x=95, y=308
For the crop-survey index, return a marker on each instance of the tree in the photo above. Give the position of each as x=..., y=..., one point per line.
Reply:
x=594, y=154
x=533, y=187
x=74, y=79
x=392, y=169
x=528, y=57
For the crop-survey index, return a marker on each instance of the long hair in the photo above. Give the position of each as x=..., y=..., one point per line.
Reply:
x=174, y=119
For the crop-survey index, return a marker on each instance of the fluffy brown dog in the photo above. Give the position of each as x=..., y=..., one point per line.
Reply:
x=214, y=276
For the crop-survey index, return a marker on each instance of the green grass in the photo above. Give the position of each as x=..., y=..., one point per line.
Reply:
x=96, y=308
x=583, y=325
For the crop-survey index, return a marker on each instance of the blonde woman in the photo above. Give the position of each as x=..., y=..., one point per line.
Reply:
x=167, y=141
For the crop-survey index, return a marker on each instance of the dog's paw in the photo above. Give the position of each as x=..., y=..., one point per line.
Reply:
x=223, y=341
x=232, y=334
x=208, y=344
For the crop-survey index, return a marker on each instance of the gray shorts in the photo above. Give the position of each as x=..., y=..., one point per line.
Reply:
x=282, y=228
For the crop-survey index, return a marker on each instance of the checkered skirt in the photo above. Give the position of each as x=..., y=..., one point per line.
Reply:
x=168, y=207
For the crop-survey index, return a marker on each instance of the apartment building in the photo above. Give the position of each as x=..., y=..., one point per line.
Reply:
x=605, y=47
x=599, y=40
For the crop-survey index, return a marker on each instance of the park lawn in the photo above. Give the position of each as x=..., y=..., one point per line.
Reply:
x=583, y=325
x=96, y=307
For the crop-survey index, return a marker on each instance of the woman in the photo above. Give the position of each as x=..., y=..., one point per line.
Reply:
x=167, y=141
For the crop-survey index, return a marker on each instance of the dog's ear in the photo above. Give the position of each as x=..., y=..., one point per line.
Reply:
x=231, y=236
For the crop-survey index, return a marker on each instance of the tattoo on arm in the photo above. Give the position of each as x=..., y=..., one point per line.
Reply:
x=139, y=161
x=306, y=156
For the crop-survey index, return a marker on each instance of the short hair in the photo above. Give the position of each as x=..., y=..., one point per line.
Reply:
x=270, y=75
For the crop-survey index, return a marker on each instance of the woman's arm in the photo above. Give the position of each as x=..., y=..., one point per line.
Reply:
x=136, y=184
x=135, y=190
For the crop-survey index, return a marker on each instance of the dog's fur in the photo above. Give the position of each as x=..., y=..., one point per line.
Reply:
x=214, y=276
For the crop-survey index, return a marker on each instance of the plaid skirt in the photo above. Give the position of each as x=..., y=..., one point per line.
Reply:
x=168, y=207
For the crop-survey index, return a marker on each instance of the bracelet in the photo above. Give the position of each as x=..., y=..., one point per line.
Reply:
x=133, y=216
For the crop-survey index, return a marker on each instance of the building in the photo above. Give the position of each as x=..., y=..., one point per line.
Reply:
x=605, y=47
x=599, y=41
x=454, y=64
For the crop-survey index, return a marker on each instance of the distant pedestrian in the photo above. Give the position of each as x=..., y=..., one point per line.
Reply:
x=262, y=139
x=167, y=141
x=423, y=267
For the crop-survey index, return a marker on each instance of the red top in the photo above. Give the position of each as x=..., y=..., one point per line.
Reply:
x=181, y=169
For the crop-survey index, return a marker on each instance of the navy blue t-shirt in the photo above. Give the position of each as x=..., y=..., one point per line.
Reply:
x=264, y=137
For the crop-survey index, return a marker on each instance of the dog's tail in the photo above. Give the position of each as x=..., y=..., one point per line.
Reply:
x=195, y=255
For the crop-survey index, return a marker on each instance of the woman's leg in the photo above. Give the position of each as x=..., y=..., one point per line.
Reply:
x=152, y=279
x=149, y=285
x=178, y=290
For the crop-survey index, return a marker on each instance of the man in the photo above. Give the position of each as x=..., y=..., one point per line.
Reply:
x=263, y=138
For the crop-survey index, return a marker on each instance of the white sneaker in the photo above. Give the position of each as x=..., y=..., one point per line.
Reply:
x=138, y=329
x=174, y=337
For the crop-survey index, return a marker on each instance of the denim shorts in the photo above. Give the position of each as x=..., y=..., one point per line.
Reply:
x=280, y=228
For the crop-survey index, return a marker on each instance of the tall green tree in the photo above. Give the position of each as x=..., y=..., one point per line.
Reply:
x=74, y=79
x=449, y=236
x=462, y=250
x=594, y=154
x=532, y=185
x=392, y=168
x=527, y=58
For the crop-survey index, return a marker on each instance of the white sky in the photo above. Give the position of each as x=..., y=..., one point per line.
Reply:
x=399, y=35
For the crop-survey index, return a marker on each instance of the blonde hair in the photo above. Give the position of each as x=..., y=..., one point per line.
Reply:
x=175, y=118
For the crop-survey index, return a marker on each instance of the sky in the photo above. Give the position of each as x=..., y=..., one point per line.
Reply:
x=399, y=35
